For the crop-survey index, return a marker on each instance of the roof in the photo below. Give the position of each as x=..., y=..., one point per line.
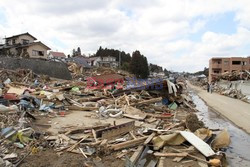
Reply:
x=15, y=36
x=106, y=79
x=80, y=60
x=34, y=43
x=58, y=54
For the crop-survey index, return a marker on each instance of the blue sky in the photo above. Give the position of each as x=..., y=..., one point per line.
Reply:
x=223, y=23
x=181, y=35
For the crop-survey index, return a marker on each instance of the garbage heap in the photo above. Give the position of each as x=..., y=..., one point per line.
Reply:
x=139, y=124
x=234, y=76
x=233, y=93
x=200, y=82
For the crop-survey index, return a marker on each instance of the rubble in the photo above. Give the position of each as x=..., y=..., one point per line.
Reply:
x=228, y=79
x=120, y=122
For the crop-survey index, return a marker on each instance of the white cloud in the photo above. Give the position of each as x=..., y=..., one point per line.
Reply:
x=160, y=29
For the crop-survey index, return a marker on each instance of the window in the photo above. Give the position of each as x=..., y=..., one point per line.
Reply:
x=216, y=72
x=13, y=41
x=225, y=70
x=226, y=62
x=25, y=41
x=236, y=62
x=244, y=63
x=37, y=53
x=7, y=42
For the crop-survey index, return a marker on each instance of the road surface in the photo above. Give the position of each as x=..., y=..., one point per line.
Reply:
x=235, y=110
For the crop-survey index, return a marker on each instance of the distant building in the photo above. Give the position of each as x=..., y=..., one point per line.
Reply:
x=105, y=61
x=218, y=66
x=79, y=60
x=24, y=45
x=56, y=55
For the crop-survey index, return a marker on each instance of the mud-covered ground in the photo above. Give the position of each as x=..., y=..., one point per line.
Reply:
x=238, y=153
x=51, y=159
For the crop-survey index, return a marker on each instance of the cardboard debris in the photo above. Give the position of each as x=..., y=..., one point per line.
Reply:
x=171, y=139
x=222, y=140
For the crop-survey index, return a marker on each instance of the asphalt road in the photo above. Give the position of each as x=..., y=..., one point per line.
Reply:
x=235, y=110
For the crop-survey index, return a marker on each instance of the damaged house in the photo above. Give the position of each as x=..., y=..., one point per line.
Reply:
x=24, y=45
x=104, y=61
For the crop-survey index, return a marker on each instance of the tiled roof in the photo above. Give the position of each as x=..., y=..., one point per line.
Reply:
x=58, y=54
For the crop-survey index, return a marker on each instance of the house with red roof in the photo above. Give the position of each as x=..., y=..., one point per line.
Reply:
x=56, y=55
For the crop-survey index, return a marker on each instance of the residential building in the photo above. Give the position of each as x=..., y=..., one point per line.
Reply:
x=105, y=61
x=218, y=66
x=79, y=60
x=24, y=45
x=56, y=55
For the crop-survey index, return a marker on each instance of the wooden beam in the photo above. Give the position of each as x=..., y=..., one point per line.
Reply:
x=136, y=154
x=150, y=137
x=129, y=143
x=154, y=100
x=159, y=154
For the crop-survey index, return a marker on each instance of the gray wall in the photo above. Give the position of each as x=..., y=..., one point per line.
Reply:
x=38, y=66
x=244, y=86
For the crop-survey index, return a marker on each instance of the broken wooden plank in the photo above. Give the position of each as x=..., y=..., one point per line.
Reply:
x=72, y=147
x=137, y=117
x=79, y=108
x=161, y=116
x=113, y=131
x=136, y=154
x=154, y=100
x=94, y=134
x=132, y=134
x=82, y=129
x=192, y=156
x=83, y=153
x=159, y=154
x=129, y=143
x=150, y=137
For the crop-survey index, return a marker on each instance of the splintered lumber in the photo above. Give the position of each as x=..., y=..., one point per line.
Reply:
x=150, y=137
x=136, y=154
x=129, y=143
x=161, y=116
x=159, y=154
x=91, y=99
x=72, y=147
x=132, y=134
x=83, y=153
x=137, y=117
x=154, y=100
x=81, y=130
x=113, y=131
x=79, y=108
x=94, y=134
x=192, y=156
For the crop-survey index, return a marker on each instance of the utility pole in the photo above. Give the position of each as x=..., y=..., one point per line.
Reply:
x=120, y=58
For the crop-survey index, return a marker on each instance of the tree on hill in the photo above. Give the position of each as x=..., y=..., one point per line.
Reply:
x=155, y=68
x=139, y=65
x=125, y=57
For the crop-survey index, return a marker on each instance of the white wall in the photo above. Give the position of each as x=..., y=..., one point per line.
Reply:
x=244, y=86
